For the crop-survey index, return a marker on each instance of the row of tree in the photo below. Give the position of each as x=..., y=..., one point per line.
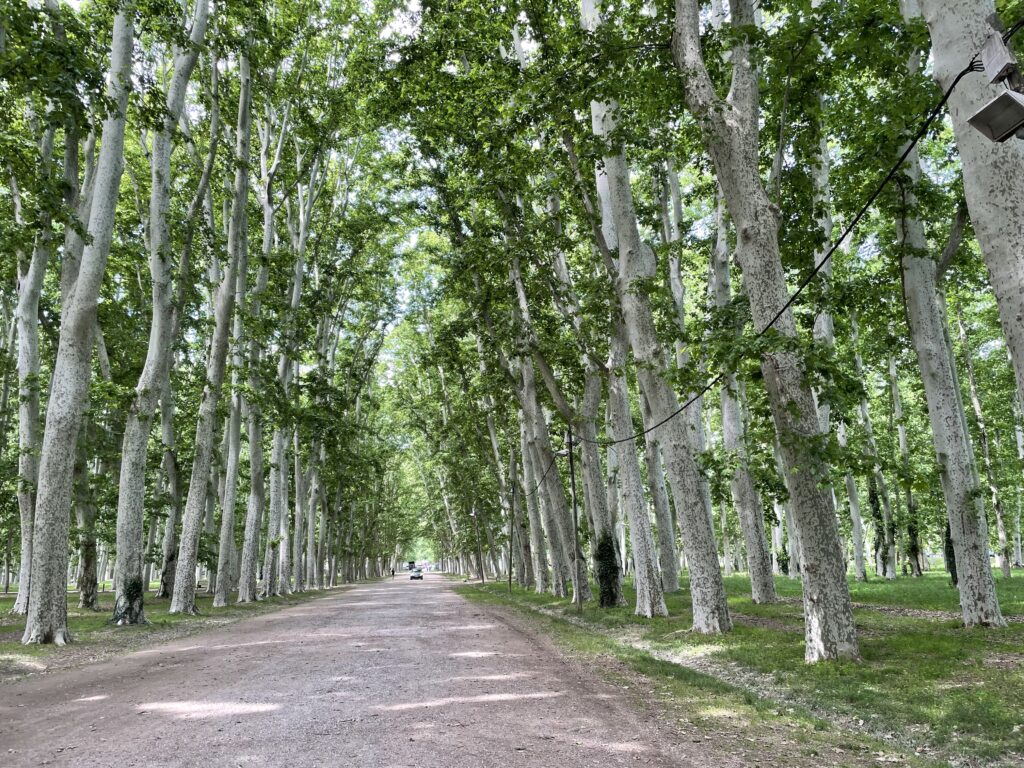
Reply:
x=623, y=200
x=467, y=272
x=206, y=416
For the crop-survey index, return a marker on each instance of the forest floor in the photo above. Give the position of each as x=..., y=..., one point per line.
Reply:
x=96, y=639
x=925, y=688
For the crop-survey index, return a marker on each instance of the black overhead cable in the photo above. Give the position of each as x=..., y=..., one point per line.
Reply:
x=973, y=66
x=543, y=477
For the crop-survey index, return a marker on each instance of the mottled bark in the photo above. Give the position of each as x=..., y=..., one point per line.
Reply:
x=538, y=548
x=730, y=130
x=650, y=597
x=131, y=485
x=1003, y=551
x=993, y=173
x=745, y=496
x=183, y=600
x=271, y=553
x=69, y=386
x=954, y=452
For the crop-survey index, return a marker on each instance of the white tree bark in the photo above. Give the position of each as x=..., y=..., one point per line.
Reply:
x=730, y=129
x=954, y=30
x=233, y=437
x=247, y=581
x=650, y=598
x=955, y=454
x=676, y=435
x=667, y=559
x=183, y=600
x=128, y=587
x=550, y=491
x=69, y=387
x=856, y=521
x=1003, y=552
x=254, y=510
x=272, y=552
x=173, y=479
x=538, y=548
x=284, y=548
x=1018, y=554
x=679, y=435
x=993, y=173
x=744, y=493
x=30, y=286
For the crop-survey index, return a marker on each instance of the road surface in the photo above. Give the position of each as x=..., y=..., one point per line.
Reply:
x=392, y=673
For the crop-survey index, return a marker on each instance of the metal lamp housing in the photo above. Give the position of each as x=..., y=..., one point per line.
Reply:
x=1001, y=118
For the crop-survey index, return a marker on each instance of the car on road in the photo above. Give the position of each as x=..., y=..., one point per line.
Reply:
x=416, y=574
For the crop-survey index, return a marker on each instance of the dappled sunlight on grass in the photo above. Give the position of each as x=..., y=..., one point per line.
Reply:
x=922, y=672
x=21, y=660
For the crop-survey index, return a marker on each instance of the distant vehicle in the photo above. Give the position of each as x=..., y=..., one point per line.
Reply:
x=411, y=565
x=416, y=574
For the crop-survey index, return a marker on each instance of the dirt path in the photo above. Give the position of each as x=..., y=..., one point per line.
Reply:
x=394, y=673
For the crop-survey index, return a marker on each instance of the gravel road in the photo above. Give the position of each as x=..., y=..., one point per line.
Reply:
x=393, y=673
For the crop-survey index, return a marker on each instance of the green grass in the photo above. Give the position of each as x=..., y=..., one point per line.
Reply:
x=741, y=723
x=922, y=675
x=94, y=637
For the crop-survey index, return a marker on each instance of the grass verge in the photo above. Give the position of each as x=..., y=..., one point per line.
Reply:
x=925, y=685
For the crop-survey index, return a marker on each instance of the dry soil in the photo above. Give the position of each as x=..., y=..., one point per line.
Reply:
x=392, y=673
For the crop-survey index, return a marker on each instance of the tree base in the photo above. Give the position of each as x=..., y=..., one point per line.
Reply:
x=37, y=636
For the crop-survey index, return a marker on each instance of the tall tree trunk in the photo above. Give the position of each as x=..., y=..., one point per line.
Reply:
x=744, y=493
x=233, y=438
x=303, y=490
x=1018, y=555
x=69, y=387
x=521, y=544
x=284, y=548
x=30, y=285
x=954, y=453
x=1003, y=553
x=676, y=435
x=993, y=172
x=271, y=555
x=650, y=598
x=730, y=134
x=169, y=561
x=254, y=511
x=538, y=548
x=954, y=30
x=183, y=600
x=85, y=518
x=856, y=521
x=129, y=591
x=663, y=517
x=554, y=509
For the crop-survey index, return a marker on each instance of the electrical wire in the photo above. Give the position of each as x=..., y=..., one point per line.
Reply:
x=973, y=66
x=542, y=478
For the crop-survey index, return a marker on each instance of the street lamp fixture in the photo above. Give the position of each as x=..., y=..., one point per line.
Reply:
x=1003, y=116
